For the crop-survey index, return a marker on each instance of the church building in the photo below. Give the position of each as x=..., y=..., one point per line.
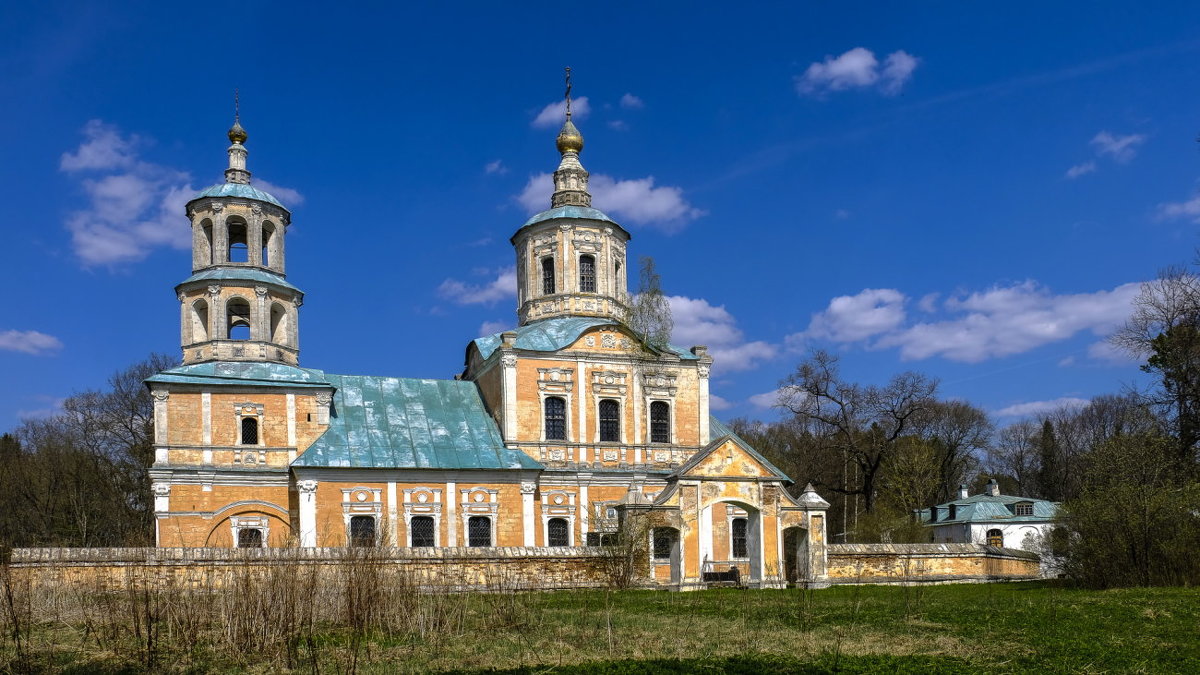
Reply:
x=553, y=434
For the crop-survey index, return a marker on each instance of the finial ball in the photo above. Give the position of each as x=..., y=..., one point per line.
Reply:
x=569, y=139
x=237, y=134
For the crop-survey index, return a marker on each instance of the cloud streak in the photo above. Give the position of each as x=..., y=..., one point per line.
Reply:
x=857, y=68
x=504, y=285
x=29, y=342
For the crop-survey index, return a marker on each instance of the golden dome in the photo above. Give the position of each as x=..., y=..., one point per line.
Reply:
x=569, y=139
x=236, y=133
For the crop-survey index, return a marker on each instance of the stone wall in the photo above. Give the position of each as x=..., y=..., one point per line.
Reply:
x=497, y=568
x=928, y=563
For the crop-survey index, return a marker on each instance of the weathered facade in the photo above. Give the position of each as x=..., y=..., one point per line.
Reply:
x=562, y=432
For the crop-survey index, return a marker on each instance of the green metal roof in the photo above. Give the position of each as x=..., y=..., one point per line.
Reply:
x=985, y=508
x=243, y=373
x=239, y=274
x=398, y=423
x=584, y=212
x=551, y=335
x=716, y=431
x=237, y=190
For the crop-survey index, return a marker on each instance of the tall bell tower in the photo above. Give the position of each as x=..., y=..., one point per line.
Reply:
x=571, y=258
x=238, y=304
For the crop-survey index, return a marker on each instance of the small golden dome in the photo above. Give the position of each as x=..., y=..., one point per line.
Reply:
x=569, y=139
x=236, y=133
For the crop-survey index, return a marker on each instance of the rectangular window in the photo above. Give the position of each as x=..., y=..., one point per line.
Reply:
x=587, y=274
x=249, y=431
x=421, y=531
x=479, y=531
x=662, y=540
x=362, y=531
x=1025, y=509
x=547, y=276
x=610, y=421
x=558, y=532
x=250, y=538
x=556, y=418
x=738, y=537
x=660, y=422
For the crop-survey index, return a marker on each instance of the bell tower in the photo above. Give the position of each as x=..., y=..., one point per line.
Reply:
x=238, y=304
x=571, y=258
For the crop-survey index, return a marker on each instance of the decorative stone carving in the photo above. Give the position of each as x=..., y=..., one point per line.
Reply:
x=509, y=360
x=528, y=488
x=214, y=290
x=216, y=207
x=256, y=208
x=608, y=341
x=307, y=487
x=260, y=291
x=161, y=489
x=662, y=456
x=609, y=383
x=323, y=399
x=556, y=380
x=590, y=340
x=160, y=394
x=660, y=383
x=610, y=455
x=702, y=370
x=182, y=297
x=557, y=455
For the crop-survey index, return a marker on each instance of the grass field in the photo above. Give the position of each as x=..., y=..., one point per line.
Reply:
x=1017, y=627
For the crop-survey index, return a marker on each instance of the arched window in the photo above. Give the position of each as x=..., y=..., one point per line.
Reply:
x=587, y=274
x=279, y=324
x=556, y=418
x=995, y=538
x=662, y=540
x=268, y=251
x=558, y=532
x=206, y=253
x=737, y=537
x=479, y=531
x=660, y=422
x=238, y=324
x=200, y=320
x=610, y=421
x=249, y=430
x=250, y=538
x=362, y=530
x=239, y=249
x=547, y=276
x=420, y=531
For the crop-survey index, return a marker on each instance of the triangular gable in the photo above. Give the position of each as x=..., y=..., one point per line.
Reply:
x=727, y=457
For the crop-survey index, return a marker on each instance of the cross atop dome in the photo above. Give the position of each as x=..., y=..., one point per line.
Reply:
x=570, y=180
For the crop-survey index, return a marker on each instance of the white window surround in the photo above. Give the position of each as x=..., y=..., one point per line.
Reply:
x=260, y=523
x=423, y=501
x=253, y=410
x=361, y=500
x=621, y=417
x=479, y=501
x=650, y=400
x=568, y=407
x=558, y=504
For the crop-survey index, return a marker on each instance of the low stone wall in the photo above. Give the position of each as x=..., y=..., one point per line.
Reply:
x=928, y=563
x=495, y=568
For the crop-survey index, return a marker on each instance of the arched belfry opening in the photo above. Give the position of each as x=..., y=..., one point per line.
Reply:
x=199, y=322
x=238, y=238
x=237, y=319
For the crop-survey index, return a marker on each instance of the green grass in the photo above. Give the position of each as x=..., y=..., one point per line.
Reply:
x=1019, y=627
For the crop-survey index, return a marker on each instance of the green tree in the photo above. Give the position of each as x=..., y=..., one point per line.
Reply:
x=1049, y=463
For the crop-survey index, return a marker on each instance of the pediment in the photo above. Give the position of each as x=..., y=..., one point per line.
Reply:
x=727, y=458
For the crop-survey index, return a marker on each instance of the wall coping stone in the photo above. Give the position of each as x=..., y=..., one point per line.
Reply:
x=164, y=555
x=940, y=550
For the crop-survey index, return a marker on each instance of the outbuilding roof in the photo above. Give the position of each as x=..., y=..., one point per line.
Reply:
x=986, y=508
x=551, y=335
x=242, y=373
x=402, y=423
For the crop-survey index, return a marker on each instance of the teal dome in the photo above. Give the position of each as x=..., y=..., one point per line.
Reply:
x=238, y=190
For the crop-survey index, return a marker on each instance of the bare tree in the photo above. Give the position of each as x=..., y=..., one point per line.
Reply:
x=651, y=313
x=865, y=424
x=958, y=431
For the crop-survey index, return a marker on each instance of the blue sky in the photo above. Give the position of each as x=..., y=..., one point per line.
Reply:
x=962, y=190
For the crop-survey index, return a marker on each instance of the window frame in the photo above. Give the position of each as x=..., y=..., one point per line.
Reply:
x=995, y=537
x=354, y=539
x=586, y=278
x=609, y=430
x=656, y=553
x=489, y=525
x=744, y=522
x=669, y=421
x=549, y=276
x=566, y=530
x=433, y=523
x=566, y=418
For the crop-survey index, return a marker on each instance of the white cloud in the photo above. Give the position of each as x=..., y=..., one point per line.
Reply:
x=554, y=114
x=1105, y=352
x=765, y=400
x=495, y=167
x=631, y=102
x=133, y=206
x=857, y=69
x=463, y=293
x=618, y=125
x=928, y=302
x=699, y=323
x=1120, y=148
x=290, y=198
x=1002, y=321
x=717, y=403
x=493, y=327
x=1189, y=209
x=53, y=407
x=1032, y=408
x=1081, y=169
x=850, y=318
x=636, y=201
x=29, y=342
